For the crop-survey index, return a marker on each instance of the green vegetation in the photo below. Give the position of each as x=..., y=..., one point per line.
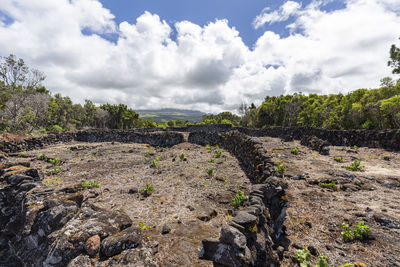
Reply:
x=239, y=199
x=280, y=167
x=95, y=152
x=303, y=256
x=22, y=155
x=338, y=159
x=147, y=190
x=147, y=154
x=88, y=185
x=182, y=156
x=41, y=157
x=322, y=261
x=331, y=185
x=355, y=166
x=154, y=164
x=144, y=226
x=295, y=151
x=55, y=161
x=217, y=154
x=210, y=171
x=360, y=232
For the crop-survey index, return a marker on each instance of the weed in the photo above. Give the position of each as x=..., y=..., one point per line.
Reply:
x=295, y=151
x=88, y=185
x=210, y=171
x=355, y=148
x=322, y=261
x=217, y=154
x=144, y=226
x=355, y=166
x=338, y=159
x=360, y=232
x=346, y=265
x=280, y=167
x=57, y=170
x=147, y=190
x=217, y=147
x=182, y=156
x=331, y=185
x=253, y=229
x=211, y=161
x=303, y=256
x=52, y=180
x=22, y=155
x=108, y=150
x=54, y=161
x=41, y=157
x=239, y=199
x=147, y=154
x=95, y=152
x=154, y=164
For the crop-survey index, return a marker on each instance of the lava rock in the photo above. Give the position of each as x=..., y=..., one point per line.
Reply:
x=127, y=239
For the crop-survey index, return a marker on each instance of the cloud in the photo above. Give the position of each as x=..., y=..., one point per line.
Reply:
x=288, y=9
x=205, y=67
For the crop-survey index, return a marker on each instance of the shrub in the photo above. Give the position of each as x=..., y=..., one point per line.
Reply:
x=56, y=128
x=280, y=167
x=42, y=157
x=239, y=199
x=147, y=190
x=22, y=155
x=144, y=226
x=295, y=151
x=303, y=256
x=331, y=185
x=210, y=171
x=87, y=185
x=217, y=154
x=338, y=159
x=182, y=156
x=154, y=164
x=355, y=166
x=54, y=161
x=95, y=152
x=322, y=261
x=360, y=232
x=147, y=154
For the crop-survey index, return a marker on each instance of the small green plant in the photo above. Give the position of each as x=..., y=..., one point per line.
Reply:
x=355, y=166
x=147, y=154
x=211, y=161
x=355, y=148
x=57, y=170
x=108, y=150
x=239, y=199
x=54, y=161
x=322, y=261
x=210, y=171
x=22, y=155
x=88, y=185
x=217, y=147
x=295, y=151
x=331, y=185
x=280, y=167
x=217, y=154
x=338, y=159
x=147, y=190
x=41, y=157
x=154, y=164
x=360, y=232
x=303, y=256
x=182, y=156
x=346, y=265
x=95, y=152
x=144, y=226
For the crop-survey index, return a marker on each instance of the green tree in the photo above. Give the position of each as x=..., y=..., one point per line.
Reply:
x=394, y=61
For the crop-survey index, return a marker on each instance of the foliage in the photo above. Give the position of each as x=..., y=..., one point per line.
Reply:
x=42, y=157
x=54, y=161
x=210, y=171
x=154, y=164
x=322, y=261
x=355, y=166
x=182, y=156
x=346, y=265
x=280, y=167
x=295, y=151
x=147, y=154
x=331, y=185
x=144, y=226
x=217, y=154
x=239, y=199
x=303, y=256
x=394, y=61
x=221, y=118
x=88, y=185
x=360, y=232
x=147, y=190
x=338, y=159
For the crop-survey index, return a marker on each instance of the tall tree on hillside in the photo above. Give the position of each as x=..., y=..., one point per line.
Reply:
x=394, y=61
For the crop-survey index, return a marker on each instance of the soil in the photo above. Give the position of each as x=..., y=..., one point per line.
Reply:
x=188, y=205
x=314, y=218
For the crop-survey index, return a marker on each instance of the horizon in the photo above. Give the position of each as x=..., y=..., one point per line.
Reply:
x=206, y=56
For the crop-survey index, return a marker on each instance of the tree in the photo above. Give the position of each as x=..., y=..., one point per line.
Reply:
x=394, y=61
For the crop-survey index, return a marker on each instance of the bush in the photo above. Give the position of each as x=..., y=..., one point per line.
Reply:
x=154, y=164
x=210, y=171
x=147, y=190
x=239, y=199
x=322, y=261
x=41, y=157
x=280, y=167
x=217, y=154
x=182, y=156
x=338, y=159
x=87, y=185
x=56, y=128
x=54, y=161
x=295, y=151
x=303, y=256
x=355, y=166
x=331, y=185
x=360, y=232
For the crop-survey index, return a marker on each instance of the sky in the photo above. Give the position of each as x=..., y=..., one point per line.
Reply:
x=209, y=55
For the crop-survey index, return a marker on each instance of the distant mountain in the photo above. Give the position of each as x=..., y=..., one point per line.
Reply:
x=164, y=115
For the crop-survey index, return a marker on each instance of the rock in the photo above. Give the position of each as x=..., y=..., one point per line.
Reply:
x=316, y=144
x=80, y=261
x=133, y=190
x=245, y=219
x=18, y=178
x=166, y=229
x=312, y=250
x=207, y=215
x=127, y=239
x=92, y=245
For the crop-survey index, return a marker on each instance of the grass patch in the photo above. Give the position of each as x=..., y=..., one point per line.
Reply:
x=355, y=166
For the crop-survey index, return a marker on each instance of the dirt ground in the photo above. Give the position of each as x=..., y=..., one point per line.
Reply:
x=316, y=214
x=186, y=200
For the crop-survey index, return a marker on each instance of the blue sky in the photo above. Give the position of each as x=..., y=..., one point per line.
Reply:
x=239, y=13
x=204, y=55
